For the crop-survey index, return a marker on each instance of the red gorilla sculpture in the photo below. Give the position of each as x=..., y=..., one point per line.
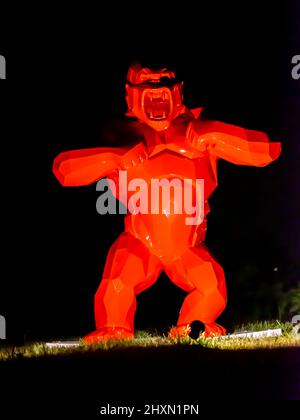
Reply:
x=174, y=143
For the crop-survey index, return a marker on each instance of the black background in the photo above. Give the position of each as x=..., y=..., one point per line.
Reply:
x=65, y=83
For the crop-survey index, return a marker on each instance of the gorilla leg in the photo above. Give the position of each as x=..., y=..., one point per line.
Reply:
x=200, y=275
x=130, y=268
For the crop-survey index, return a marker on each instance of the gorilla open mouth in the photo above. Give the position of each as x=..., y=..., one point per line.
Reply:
x=157, y=104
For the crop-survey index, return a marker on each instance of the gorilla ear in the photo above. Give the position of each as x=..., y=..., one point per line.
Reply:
x=128, y=98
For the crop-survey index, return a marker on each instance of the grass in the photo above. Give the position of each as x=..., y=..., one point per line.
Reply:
x=152, y=339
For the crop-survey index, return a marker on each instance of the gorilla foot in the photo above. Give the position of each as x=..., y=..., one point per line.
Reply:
x=186, y=330
x=180, y=331
x=108, y=334
x=213, y=330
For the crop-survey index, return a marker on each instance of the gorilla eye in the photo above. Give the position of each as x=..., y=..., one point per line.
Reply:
x=165, y=80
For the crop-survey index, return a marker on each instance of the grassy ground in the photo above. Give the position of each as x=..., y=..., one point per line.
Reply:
x=151, y=369
x=152, y=339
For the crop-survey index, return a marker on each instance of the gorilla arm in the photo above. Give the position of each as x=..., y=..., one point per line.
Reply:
x=83, y=167
x=234, y=144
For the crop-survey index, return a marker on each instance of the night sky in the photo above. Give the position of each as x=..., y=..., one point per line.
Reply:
x=67, y=86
